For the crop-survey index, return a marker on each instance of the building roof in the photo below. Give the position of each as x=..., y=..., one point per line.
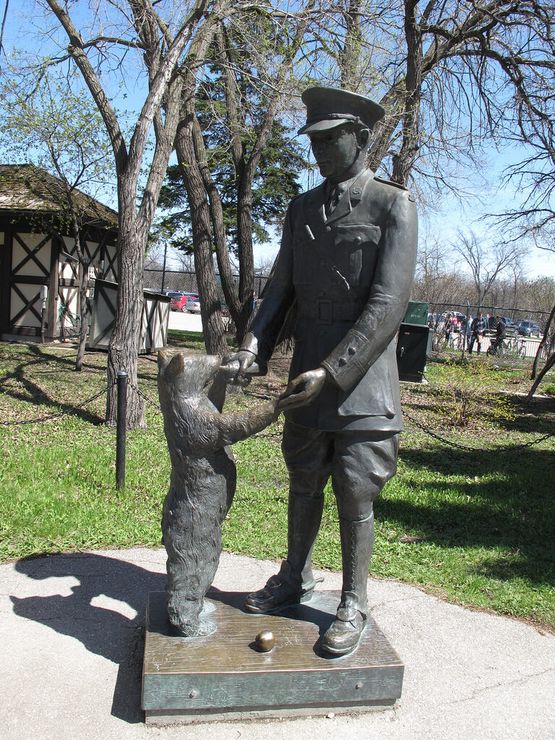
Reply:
x=27, y=189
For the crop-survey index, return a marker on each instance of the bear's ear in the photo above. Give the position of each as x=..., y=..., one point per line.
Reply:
x=176, y=365
x=170, y=362
x=164, y=356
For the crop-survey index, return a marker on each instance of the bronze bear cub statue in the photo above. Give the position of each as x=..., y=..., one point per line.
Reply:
x=203, y=477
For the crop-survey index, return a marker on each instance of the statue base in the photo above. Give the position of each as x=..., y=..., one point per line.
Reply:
x=221, y=676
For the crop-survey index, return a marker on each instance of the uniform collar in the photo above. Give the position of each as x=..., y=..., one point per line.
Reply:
x=351, y=193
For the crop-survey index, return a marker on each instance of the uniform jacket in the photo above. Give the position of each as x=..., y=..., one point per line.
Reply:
x=348, y=276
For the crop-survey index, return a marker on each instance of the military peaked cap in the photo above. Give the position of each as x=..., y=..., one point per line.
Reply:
x=328, y=107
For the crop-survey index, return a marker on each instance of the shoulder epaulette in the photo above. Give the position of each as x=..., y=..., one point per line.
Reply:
x=395, y=185
x=390, y=182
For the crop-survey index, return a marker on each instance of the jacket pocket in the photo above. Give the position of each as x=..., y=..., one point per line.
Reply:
x=374, y=394
x=355, y=252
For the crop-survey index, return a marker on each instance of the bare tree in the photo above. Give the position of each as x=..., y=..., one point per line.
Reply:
x=154, y=258
x=186, y=262
x=486, y=263
x=167, y=43
x=546, y=347
x=187, y=131
x=67, y=141
x=537, y=294
x=264, y=267
x=273, y=42
x=451, y=74
x=435, y=281
x=349, y=57
x=454, y=78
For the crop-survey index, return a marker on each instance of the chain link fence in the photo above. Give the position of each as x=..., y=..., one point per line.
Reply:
x=186, y=282
x=451, y=327
x=515, y=314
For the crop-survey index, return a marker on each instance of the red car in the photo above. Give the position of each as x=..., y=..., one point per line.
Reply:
x=179, y=301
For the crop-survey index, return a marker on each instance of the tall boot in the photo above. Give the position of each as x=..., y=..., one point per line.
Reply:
x=357, y=540
x=295, y=581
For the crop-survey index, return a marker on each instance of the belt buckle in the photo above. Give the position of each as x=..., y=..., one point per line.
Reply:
x=325, y=313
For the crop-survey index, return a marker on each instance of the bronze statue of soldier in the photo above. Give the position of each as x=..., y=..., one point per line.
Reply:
x=345, y=266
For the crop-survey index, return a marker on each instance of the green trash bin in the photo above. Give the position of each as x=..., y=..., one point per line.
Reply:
x=413, y=348
x=417, y=313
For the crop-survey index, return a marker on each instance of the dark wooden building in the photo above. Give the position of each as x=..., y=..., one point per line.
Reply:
x=38, y=267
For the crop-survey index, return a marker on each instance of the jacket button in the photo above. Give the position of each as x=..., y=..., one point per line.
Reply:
x=328, y=228
x=358, y=239
x=342, y=361
x=351, y=350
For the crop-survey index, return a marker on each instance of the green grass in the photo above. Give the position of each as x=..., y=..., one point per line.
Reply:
x=190, y=340
x=186, y=339
x=475, y=527
x=469, y=527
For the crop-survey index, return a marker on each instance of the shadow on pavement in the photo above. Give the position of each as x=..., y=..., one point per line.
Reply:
x=101, y=629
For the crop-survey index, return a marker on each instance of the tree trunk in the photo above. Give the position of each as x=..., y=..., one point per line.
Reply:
x=543, y=372
x=218, y=228
x=541, y=345
x=84, y=313
x=403, y=162
x=349, y=57
x=246, y=255
x=383, y=131
x=83, y=268
x=211, y=315
x=83, y=285
x=124, y=343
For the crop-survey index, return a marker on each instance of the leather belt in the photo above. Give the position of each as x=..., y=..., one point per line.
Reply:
x=326, y=311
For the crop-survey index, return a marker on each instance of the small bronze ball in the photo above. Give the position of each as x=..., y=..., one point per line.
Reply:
x=264, y=641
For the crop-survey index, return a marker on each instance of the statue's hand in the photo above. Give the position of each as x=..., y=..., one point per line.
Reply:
x=236, y=366
x=303, y=389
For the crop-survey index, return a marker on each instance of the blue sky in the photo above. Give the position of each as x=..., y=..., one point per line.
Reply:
x=26, y=27
x=485, y=196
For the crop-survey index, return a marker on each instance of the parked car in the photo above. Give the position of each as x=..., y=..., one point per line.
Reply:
x=528, y=329
x=179, y=300
x=192, y=304
x=510, y=327
x=176, y=300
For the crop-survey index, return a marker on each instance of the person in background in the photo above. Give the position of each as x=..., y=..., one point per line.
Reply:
x=477, y=329
x=448, y=328
x=468, y=332
x=500, y=333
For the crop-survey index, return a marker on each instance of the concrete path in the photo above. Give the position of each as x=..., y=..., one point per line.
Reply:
x=71, y=646
x=185, y=321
